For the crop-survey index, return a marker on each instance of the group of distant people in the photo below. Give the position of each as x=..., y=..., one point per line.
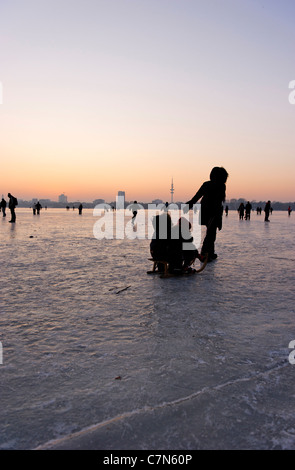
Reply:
x=170, y=248
x=36, y=208
x=80, y=208
x=13, y=202
x=244, y=211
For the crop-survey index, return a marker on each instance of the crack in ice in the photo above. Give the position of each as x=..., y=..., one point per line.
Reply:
x=145, y=409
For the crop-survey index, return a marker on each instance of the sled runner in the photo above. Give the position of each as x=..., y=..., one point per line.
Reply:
x=162, y=268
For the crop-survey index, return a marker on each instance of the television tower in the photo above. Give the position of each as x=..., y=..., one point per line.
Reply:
x=172, y=190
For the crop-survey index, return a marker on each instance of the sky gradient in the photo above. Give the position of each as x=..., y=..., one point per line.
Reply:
x=108, y=95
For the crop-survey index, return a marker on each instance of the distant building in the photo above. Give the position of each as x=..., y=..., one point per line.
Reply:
x=63, y=199
x=157, y=201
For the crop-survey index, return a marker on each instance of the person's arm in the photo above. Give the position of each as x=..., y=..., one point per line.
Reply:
x=197, y=196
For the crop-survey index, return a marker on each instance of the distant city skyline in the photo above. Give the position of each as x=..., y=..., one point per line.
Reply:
x=232, y=204
x=63, y=198
x=150, y=201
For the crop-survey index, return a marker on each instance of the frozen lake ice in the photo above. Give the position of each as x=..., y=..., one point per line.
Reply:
x=181, y=363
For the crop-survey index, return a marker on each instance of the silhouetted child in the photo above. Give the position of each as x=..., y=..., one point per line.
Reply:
x=182, y=251
x=162, y=233
x=213, y=195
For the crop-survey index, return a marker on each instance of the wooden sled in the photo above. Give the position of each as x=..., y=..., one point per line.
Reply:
x=164, y=272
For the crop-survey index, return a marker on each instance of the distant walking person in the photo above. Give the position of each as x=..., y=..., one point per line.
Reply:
x=248, y=208
x=3, y=205
x=289, y=211
x=213, y=195
x=80, y=209
x=226, y=210
x=12, y=205
x=266, y=211
x=134, y=208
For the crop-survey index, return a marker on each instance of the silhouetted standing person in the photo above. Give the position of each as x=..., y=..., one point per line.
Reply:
x=226, y=210
x=289, y=211
x=38, y=207
x=248, y=208
x=213, y=195
x=266, y=211
x=12, y=204
x=3, y=205
x=80, y=209
x=241, y=211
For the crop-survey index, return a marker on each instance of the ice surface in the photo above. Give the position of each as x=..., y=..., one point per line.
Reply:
x=179, y=363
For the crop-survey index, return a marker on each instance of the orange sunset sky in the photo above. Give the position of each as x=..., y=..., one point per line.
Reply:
x=107, y=95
